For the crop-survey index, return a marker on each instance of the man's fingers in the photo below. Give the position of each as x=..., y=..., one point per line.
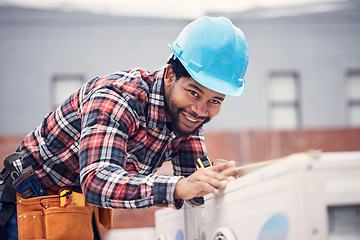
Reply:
x=218, y=161
x=205, y=174
x=219, y=167
x=215, y=179
x=231, y=172
x=208, y=188
x=199, y=188
x=204, y=181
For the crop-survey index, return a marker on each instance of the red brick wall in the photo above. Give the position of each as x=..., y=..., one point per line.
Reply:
x=8, y=144
x=253, y=146
x=244, y=147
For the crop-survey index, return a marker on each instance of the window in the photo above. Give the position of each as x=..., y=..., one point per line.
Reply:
x=353, y=94
x=343, y=222
x=63, y=86
x=284, y=100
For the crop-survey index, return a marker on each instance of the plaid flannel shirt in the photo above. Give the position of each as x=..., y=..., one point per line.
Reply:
x=107, y=140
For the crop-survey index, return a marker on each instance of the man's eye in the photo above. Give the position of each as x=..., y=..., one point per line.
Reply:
x=195, y=94
x=213, y=101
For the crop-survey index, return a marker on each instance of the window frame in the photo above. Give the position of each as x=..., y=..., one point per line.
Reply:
x=349, y=101
x=272, y=104
x=62, y=76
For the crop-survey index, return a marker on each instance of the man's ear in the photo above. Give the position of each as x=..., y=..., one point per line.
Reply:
x=169, y=77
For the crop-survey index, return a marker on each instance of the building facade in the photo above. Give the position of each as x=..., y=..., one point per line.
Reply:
x=303, y=78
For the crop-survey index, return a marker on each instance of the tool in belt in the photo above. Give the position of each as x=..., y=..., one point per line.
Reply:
x=61, y=215
x=26, y=183
x=8, y=196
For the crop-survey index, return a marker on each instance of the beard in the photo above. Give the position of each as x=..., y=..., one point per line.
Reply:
x=174, y=112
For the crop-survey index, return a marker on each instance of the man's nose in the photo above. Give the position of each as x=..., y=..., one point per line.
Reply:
x=200, y=109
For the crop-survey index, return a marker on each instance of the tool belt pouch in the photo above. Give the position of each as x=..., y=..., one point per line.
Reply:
x=52, y=222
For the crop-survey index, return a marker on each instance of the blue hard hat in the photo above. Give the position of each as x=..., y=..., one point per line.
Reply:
x=215, y=54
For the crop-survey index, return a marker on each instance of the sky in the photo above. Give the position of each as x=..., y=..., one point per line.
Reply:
x=188, y=9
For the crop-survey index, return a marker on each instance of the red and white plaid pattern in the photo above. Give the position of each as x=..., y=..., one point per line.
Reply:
x=108, y=138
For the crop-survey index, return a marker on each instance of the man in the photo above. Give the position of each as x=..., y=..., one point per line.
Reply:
x=108, y=138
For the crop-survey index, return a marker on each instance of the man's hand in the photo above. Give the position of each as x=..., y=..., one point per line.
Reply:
x=228, y=172
x=205, y=181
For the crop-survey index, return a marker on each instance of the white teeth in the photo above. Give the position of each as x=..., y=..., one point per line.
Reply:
x=190, y=119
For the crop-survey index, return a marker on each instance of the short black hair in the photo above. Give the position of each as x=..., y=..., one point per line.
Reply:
x=178, y=68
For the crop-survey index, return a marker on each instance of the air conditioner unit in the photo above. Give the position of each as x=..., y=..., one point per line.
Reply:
x=303, y=196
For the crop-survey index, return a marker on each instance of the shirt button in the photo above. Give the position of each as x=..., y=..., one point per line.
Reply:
x=164, y=201
x=136, y=204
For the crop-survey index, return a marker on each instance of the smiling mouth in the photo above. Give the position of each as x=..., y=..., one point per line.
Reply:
x=191, y=119
x=192, y=122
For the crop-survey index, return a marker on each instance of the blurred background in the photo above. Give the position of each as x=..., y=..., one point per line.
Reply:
x=303, y=78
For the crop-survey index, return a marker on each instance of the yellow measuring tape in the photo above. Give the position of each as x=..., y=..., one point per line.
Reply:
x=204, y=162
x=254, y=165
x=264, y=163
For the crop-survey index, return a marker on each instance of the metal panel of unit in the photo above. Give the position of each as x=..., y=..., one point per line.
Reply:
x=185, y=223
x=169, y=224
x=303, y=196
